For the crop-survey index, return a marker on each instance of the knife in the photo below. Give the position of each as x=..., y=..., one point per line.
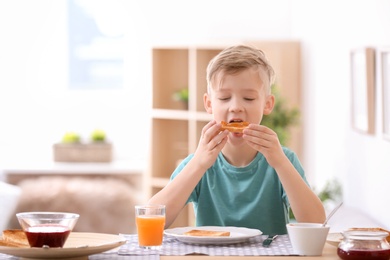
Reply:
x=269, y=240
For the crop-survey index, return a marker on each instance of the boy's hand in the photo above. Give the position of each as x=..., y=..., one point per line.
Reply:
x=265, y=141
x=210, y=144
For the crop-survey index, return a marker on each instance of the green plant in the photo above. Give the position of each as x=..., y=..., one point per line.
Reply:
x=71, y=138
x=281, y=118
x=331, y=192
x=98, y=135
x=181, y=95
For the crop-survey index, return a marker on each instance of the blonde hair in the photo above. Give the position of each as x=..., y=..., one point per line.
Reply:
x=237, y=58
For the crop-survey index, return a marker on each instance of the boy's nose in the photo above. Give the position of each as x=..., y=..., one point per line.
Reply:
x=236, y=106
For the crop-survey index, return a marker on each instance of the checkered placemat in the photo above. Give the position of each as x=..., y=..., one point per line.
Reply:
x=102, y=256
x=252, y=247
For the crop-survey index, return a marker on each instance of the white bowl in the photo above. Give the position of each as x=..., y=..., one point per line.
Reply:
x=307, y=238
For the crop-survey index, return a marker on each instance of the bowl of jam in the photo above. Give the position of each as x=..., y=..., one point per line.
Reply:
x=47, y=229
x=362, y=244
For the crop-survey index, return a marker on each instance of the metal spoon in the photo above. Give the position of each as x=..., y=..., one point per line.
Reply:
x=267, y=242
x=331, y=214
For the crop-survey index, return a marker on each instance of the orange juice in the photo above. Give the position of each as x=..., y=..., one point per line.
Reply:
x=150, y=229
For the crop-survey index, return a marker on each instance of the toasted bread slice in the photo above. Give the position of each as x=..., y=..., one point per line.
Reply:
x=12, y=244
x=235, y=127
x=14, y=237
x=207, y=233
x=373, y=229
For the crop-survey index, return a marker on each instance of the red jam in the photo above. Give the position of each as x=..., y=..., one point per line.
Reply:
x=364, y=254
x=47, y=235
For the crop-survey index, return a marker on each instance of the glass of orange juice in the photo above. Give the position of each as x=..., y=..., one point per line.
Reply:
x=150, y=221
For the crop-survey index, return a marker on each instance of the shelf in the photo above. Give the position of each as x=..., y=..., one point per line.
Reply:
x=170, y=143
x=203, y=116
x=203, y=57
x=170, y=114
x=170, y=73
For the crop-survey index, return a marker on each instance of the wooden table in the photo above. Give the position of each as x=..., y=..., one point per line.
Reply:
x=330, y=252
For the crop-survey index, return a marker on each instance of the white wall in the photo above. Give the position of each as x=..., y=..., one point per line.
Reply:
x=36, y=107
x=329, y=31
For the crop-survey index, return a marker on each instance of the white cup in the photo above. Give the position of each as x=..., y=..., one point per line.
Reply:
x=307, y=238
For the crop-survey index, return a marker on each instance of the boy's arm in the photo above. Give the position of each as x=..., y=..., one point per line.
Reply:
x=305, y=204
x=175, y=195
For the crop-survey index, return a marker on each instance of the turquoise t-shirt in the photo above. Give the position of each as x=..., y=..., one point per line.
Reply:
x=250, y=196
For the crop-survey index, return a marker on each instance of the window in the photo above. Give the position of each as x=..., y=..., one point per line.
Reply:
x=96, y=42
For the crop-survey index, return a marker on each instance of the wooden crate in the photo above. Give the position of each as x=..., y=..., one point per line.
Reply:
x=79, y=152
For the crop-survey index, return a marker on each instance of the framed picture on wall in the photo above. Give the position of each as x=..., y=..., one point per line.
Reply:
x=385, y=77
x=363, y=90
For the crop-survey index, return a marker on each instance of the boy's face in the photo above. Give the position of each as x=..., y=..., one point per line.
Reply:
x=239, y=97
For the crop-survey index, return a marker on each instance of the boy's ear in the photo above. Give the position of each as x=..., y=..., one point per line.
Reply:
x=269, y=104
x=207, y=103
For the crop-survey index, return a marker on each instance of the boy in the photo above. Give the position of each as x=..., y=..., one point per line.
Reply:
x=240, y=179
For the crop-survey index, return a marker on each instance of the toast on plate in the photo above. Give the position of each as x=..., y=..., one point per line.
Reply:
x=14, y=238
x=207, y=233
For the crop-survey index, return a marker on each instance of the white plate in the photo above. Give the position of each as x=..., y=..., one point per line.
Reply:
x=78, y=244
x=237, y=235
x=334, y=238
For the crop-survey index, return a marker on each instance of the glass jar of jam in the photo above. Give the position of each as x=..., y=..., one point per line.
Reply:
x=364, y=244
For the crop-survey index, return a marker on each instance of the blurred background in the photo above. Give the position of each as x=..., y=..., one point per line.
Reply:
x=79, y=65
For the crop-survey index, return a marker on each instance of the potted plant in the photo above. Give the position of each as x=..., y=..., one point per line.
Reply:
x=182, y=96
x=72, y=149
x=281, y=118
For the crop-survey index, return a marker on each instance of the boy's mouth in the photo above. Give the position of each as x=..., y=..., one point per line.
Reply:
x=236, y=121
